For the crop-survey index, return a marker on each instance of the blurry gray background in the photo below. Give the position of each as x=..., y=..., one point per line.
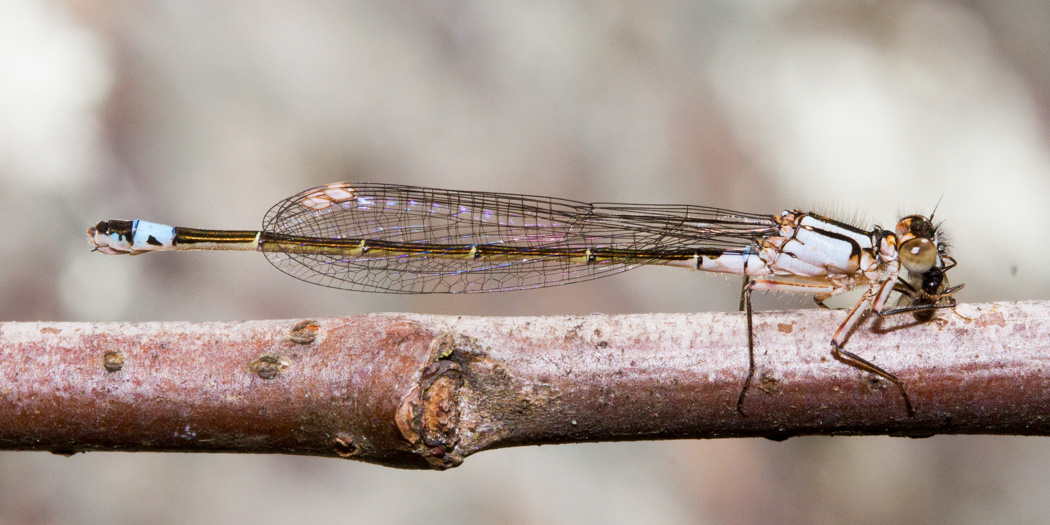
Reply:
x=206, y=113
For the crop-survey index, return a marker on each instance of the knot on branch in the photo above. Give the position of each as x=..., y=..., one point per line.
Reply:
x=428, y=416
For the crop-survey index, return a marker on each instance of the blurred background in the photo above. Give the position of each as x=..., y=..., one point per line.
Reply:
x=206, y=113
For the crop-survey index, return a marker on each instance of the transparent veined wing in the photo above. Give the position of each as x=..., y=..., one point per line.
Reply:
x=424, y=240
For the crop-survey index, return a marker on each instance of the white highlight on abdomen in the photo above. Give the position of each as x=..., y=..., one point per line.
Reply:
x=141, y=231
x=735, y=263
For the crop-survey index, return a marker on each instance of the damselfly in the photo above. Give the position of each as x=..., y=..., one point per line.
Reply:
x=406, y=239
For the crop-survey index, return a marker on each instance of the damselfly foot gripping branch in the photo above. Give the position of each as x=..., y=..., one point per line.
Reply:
x=406, y=239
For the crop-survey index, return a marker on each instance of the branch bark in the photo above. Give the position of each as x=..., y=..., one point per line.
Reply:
x=418, y=391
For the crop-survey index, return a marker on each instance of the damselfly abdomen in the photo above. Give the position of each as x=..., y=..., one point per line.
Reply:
x=406, y=239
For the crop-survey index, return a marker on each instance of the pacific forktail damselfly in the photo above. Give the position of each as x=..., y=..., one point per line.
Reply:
x=405, y=239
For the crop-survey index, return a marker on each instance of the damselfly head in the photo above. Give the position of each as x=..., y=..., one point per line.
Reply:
x=923, y=251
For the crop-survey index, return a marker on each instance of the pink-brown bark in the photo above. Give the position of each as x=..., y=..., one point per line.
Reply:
x=418, y=391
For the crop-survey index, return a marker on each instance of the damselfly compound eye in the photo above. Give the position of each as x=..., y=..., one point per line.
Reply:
x=918, y=255
x=915, y=226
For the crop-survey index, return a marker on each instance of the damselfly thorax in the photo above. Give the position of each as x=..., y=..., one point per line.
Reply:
x=407, y=239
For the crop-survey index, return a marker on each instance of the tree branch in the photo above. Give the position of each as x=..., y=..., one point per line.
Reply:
x=418, y=391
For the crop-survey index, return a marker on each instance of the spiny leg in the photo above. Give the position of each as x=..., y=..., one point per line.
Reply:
x=743, y=292
x=745, y=303
x=916, y=308
x=855, y=361
x=745, y=300
x=875, y=299
x=922, y=302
